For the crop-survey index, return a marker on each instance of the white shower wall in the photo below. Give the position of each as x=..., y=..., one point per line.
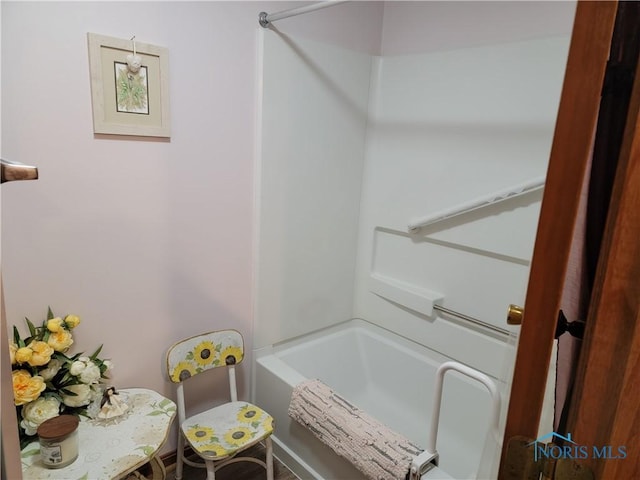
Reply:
x=445, y=128
x=313, y=125
x=355, y=146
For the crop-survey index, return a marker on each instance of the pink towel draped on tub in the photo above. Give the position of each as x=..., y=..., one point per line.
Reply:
x=373, y=448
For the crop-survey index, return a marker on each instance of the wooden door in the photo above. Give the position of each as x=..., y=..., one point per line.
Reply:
x=11, y=466
x=604, y=407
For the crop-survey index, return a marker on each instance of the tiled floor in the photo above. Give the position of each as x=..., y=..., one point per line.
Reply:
x=237, y=471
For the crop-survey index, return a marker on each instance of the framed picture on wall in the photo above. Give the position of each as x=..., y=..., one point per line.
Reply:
x=129, y=87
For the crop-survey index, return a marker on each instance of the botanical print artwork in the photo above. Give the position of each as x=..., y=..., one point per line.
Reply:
x=129, y=89
x=132, y=94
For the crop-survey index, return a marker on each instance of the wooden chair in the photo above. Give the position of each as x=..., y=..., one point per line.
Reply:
x=219, y=434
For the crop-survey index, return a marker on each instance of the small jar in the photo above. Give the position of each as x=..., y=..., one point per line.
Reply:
x=58, y=441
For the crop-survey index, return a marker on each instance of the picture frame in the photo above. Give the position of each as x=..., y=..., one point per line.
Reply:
x=129, y=98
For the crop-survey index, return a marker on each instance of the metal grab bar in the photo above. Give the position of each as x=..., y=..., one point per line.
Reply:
x=429, y=457
x=471, y=319
x=501, y=196
x=420, y=300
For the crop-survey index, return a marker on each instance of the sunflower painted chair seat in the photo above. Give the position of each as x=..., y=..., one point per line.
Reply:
x=220, y=434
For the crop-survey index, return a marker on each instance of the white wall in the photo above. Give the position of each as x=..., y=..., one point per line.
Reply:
x=446, y=128
x=443, y=128
x=433, y=26
x=148, y=241
x=357, y=25
x=314, y=116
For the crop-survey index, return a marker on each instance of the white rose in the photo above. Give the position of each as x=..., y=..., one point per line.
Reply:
x=81, y=398
x=109, y=365
x=36, y=412
x=52, y=368
x=77, y=367
x=91, y=374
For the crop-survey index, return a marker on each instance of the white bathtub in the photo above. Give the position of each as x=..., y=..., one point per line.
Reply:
x=388, y=376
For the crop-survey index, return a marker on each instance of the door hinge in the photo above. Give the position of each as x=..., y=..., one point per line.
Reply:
x=523, y=462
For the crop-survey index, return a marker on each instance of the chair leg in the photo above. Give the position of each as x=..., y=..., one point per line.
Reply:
x=269, y=457
x=211, y=471
x=179, y=456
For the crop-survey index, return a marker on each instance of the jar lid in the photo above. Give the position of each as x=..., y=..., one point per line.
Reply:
x=59, y=426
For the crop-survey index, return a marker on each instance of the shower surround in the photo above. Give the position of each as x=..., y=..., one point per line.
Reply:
x=353, y=148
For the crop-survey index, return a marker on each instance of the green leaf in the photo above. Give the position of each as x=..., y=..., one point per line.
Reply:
x=30, y=453
x=67, y=381
x=95, y=354
x=26, y=440
x=84, y=477
x=57, y=396
x=61, y=356
x=32, y=328
x=165, y=402
x=16, y=337
x=147, y=450
x=50, y=314
x=155, y=413
x=68, y=392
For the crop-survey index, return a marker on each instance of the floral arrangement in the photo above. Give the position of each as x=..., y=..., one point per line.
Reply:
x=47, y=382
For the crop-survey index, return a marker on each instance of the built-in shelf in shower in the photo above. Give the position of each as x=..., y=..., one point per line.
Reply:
x=411, y=296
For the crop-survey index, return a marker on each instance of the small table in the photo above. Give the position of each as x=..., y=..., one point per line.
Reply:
x=112, y=449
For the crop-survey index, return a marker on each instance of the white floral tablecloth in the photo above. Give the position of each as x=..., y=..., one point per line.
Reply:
x=111, y=449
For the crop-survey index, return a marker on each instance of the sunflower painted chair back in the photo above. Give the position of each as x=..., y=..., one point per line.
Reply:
x=220, y=433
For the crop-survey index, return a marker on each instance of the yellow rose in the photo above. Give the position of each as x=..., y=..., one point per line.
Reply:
x=13, y=348
x=72, y=321
x=60, y=341
x=23, y=354
x=42, y=352
x=55, y=325
x=25, y=387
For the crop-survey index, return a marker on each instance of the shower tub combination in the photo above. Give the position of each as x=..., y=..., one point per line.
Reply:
x=389, y=377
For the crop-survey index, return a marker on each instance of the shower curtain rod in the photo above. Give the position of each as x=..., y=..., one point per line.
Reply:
x=265, y=19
